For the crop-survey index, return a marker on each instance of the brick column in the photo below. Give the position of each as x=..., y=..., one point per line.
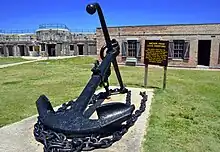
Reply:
x=193, y=55
x=142, y=49
x=58, y=49
x=75, y=49
x=18, y=50
x=85, y=48
x=6, y=53
x=26, y=52
x=15, y=51
x=214, y=52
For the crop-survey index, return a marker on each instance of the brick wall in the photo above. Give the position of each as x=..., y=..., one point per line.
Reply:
x=191, y=33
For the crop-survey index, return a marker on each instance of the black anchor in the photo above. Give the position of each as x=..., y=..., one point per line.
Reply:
x=73, y=121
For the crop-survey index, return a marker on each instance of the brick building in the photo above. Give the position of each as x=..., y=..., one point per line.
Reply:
x=190, y=44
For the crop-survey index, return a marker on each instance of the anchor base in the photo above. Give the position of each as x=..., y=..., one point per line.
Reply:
x=59, y=142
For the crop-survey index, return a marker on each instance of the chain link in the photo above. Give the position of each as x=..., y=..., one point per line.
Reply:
x=58, y=142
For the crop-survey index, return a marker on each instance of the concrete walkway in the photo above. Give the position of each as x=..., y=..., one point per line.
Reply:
x=35, y=59
x=201, y=68
x=18, y=63
x=18, y=137
x=46, y=58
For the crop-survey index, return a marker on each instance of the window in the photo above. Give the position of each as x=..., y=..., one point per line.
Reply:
x=178, y=49
x=71, y=47
x=132, y=48
x=30, y=48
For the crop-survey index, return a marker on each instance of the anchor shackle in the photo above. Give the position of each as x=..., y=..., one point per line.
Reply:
x=116, y=49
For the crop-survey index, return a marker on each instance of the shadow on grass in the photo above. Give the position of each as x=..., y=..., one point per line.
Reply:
x=142, y=86
x=154, y=87
x=12, y=82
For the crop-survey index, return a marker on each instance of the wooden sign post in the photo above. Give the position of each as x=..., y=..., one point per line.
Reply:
x=156, y=53
x=145, y=75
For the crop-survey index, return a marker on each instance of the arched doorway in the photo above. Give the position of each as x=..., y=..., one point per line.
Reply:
x=80, y=49
x=21, y=49
x=51, y=49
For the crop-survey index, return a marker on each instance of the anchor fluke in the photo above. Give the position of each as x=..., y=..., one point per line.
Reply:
x=44, y=106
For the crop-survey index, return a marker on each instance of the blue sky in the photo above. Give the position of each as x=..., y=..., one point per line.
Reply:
x=28, y=14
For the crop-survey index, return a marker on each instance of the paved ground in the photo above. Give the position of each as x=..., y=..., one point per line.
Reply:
x=18, y=63
x=19, y=137
x=45, y=58
x=35, y=59
x=181, y=68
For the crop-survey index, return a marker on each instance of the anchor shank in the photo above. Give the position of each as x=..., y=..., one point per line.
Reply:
x=104, y=26
x=91, y=9
x=84, y=98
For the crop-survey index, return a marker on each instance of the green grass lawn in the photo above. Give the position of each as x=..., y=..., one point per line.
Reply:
x=9, y=60
x=184, y=117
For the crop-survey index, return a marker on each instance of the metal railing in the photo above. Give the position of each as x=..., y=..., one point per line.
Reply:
x=16, y=38
x=56, y=26
x=48, y=26
x=28, y=31
x=84, y=31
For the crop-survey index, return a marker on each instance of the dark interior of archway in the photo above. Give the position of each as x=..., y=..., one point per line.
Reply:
x=1, y=50
x=51, y=49
x=80, y=48
x=21, y=47
x=10, y=50
x=204, y=48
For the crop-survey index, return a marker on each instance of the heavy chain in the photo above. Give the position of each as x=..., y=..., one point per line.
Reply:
x=58, y=142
